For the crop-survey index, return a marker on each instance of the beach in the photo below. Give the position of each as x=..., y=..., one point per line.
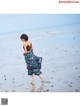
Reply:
x=60, y=50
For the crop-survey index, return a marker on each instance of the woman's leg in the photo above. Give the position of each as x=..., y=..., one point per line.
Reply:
x=41, y=78
x=43, y=81
x=32, y=79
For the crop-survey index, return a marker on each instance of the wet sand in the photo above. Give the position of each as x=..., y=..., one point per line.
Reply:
x=60, y=66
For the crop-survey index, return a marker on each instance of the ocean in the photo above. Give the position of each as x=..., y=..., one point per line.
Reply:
x=59, y=46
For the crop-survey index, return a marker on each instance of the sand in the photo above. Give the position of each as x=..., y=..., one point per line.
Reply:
x=60, y=66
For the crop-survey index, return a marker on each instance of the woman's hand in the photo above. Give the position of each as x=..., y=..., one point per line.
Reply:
x=25, y=52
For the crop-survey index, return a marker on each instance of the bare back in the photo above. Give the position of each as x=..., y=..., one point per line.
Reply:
x=28, y=46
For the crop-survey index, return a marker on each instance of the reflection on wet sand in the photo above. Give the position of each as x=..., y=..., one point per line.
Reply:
x=40, y=89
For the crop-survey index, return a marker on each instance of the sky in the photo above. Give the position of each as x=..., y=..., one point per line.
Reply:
x=18, y=22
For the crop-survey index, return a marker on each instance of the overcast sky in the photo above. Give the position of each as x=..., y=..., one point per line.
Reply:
x=17, y=22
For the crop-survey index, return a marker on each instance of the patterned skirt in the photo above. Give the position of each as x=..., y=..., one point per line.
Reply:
x=33, y=63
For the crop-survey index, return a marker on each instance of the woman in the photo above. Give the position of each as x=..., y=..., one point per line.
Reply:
x=33, y=62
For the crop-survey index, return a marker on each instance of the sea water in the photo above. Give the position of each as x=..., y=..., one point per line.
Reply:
x=59, y=46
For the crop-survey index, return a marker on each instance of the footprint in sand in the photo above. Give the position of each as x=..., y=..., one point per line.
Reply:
x=19, y=58
x=70, y=85
x=52, y=86
x=76, y=90
x=76, y=51
x=46, y=90
x=21, y=85
x=4, y=75
x=13, y=90
x=65, y=50
x=78, y=76
x=51, y=77
x=76, y=68
x=5, y=79
x=71, y=82
x=6, y=91
x=13, y=78
x=13, y=82
x=65, y=82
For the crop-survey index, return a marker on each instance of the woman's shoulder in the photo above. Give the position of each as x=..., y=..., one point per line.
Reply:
x=27, y=43
x=30, y=42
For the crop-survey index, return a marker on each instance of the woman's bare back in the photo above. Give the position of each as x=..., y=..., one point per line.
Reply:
x=28, y=46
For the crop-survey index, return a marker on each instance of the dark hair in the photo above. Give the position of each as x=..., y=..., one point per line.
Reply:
x=24, y=36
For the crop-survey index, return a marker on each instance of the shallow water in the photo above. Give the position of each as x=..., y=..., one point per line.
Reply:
x=60, y=49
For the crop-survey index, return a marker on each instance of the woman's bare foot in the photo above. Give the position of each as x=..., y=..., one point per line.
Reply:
x=32, y=82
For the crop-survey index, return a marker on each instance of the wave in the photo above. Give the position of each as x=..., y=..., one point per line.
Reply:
x=55, y=29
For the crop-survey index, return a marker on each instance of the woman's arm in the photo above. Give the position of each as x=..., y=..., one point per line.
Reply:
x=25, y=49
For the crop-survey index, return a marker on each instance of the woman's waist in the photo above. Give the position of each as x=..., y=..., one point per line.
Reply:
x=29, y=52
